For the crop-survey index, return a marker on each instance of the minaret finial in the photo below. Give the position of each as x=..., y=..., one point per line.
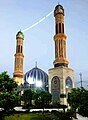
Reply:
x=36, y=64
x=58, y=2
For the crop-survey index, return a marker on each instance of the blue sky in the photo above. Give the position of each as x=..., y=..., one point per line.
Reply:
x=38, y=42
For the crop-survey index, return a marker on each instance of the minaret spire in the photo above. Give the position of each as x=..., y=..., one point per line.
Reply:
x=60, y=77
x=18, y=65
x=60, y=38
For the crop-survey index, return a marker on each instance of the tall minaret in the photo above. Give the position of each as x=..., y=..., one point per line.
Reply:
x=18, y=65
x=59, y=38
x=61, y=78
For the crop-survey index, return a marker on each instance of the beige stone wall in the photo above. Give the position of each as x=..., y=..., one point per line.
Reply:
x=18, y=80
x=62, y=73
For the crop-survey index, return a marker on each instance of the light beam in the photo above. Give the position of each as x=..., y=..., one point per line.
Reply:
x=35, y=24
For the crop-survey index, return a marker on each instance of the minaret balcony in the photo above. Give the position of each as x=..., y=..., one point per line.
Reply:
x=60, y=36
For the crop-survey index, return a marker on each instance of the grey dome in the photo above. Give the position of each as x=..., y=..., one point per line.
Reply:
x=36, y=78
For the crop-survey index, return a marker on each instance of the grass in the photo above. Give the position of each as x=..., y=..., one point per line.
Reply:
x=32, y=116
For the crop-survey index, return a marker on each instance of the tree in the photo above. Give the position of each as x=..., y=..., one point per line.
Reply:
x=42, y=98
x=36, y=98
x=27, y=97
x=46, y=98
x=78, y=99
x=8, y=95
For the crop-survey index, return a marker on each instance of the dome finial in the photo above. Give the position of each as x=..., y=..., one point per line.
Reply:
x=36, y=64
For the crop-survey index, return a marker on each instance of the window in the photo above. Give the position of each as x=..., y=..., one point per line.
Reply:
x=62, y=27
x=68, y=82
x=21, y=49
x=56, y=28
x=59, y=27
x=56, y=49
x=18, y=48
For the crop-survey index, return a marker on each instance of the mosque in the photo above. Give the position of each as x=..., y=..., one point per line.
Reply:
x=60, y=79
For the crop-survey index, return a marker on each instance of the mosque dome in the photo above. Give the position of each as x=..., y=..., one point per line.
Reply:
x=36, y=78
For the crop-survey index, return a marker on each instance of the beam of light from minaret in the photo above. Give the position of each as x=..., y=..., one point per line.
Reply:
x=35, y=24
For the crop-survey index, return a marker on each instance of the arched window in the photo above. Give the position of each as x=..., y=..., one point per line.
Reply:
x=59, y=27
x=56, y=28
x=55, y=88
x=68, y=82
x=18, y=49
x=55, y=83
x=21, y=49
x=62, y=27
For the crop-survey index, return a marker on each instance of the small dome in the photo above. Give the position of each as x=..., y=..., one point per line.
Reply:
x=20, y=35
x=58, y=5
x=36, y=78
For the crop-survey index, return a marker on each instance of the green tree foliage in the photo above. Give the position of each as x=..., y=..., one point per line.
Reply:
x=8, y=95
x=27, y=97
x=6, y=83
x=78, y=99
x=42, y=98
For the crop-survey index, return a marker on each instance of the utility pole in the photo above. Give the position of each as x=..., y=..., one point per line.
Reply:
x=81, y=79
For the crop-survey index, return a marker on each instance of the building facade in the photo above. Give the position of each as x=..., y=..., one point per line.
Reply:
x=60, y=78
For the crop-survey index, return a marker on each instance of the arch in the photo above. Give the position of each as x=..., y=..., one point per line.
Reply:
x=68, y=82
x=55, y=88
x=55, y=83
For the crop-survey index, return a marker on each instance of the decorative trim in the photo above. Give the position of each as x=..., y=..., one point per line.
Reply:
x=20, y=76
x=61, y=64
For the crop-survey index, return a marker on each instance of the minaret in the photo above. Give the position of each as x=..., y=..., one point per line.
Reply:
x=61, y=78
x=18, y=66
x=59, y=38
